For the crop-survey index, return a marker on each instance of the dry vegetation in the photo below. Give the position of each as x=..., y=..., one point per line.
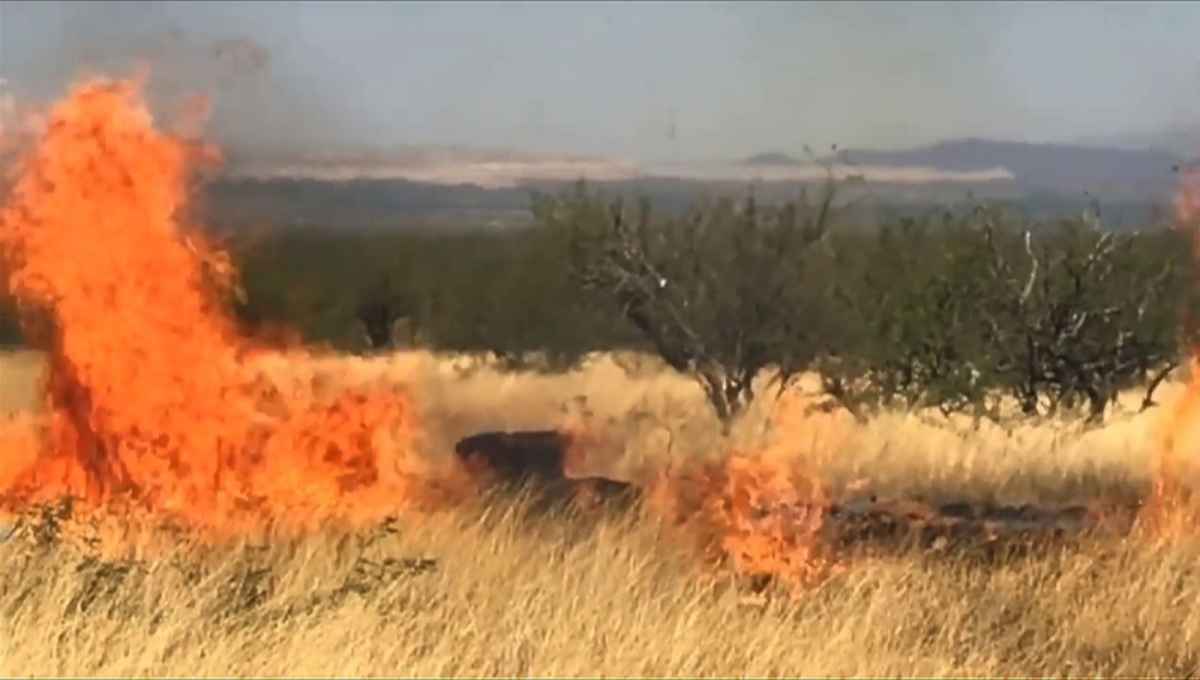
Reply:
x=485, y=590
x=156, y=408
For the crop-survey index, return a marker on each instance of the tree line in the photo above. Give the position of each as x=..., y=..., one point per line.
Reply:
x=958, y=310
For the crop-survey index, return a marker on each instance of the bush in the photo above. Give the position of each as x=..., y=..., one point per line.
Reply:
x=720, y=293
x=1059, y=318
x=950, y=312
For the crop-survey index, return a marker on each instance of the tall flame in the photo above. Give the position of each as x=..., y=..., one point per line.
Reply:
x=153, y=396
x=1170, y=501
x=156, y=401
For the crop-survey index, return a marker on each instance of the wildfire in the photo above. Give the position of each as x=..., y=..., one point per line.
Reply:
x=153, y=396
x=1170, y=501
x=764, y=511
x=159, y=406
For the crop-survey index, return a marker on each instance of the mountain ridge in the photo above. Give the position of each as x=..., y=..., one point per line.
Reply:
x=1060, y=167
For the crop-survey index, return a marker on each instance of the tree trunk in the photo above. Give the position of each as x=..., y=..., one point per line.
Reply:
x=1148, y=399
x=1097, y=402
x=377, y=322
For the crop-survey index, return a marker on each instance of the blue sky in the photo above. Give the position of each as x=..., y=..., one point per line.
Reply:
x=610, y=78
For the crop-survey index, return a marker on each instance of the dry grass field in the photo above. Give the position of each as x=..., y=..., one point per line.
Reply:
x=153, y=393
x=484, y=589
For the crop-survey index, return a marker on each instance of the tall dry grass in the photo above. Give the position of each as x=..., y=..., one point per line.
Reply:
x=576, y=594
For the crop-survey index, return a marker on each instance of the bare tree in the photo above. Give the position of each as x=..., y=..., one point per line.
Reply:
x=1057, y=317
x=1084, y=315
x=720, y=294
x=381, y=307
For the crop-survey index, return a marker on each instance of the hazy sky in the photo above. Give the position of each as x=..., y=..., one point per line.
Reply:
x=610, y=78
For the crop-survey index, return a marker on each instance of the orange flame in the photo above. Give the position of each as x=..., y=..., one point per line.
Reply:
x=1170, y=503
x=153, y=395
x=765, y=512
x=158, y=404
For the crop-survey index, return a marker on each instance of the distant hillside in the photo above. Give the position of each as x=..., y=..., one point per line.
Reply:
x=1061, y=168
x=359, y=204
x=449, y=189
x=401, y=204
x=773, y=158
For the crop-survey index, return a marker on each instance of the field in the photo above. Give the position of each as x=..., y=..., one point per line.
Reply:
x=485, y=589
x=253, y=507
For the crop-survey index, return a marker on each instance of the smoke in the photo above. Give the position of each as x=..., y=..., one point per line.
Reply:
x=195, y=53
x=241, y=55
x=190, y=73
x=18, y=127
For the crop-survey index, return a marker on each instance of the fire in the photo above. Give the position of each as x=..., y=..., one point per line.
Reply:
x=764, y=511
x=154, y=398
x=1170, y=501
x=158, y=405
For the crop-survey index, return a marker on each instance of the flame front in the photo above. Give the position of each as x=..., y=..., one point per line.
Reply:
x=156, y=401
x=152, y=394
x=1169, y=503
x=764, y=511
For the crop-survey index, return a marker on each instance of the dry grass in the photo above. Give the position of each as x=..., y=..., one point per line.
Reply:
x=579, y=595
